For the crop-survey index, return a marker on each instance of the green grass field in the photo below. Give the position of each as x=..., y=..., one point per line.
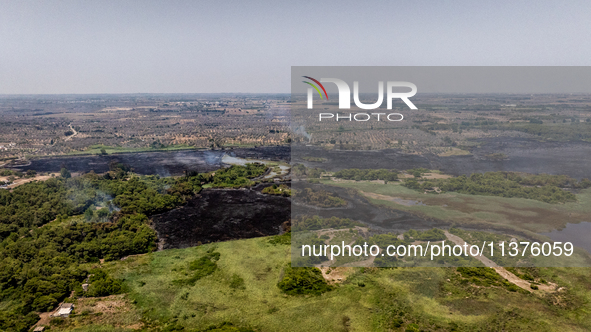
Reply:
x=369, y=299
x=518, y=213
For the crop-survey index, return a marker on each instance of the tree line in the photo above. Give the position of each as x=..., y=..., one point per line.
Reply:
x=43, y=243
x=544, y=187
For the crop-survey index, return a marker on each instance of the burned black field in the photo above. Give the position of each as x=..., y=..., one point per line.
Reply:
x=173, y=163
x=522, y=155
x=221, y=215
x=358, y=208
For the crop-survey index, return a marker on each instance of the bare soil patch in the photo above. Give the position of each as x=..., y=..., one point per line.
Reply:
x=22, y=181
x=336, y=275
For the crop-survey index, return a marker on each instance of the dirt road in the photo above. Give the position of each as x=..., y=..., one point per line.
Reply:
x=74, y=133
x=524, y=284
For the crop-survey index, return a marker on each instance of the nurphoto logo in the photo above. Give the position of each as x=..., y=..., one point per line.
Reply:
x=345, y=98
x=345, y=93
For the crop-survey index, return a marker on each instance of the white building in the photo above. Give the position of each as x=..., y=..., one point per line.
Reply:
x=64, y=310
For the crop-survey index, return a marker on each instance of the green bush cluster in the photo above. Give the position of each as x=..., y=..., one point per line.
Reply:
x=200, y=268
x=236, y=282
x=525, y=275
x=486, y=276
x=301, y=170
x=282, y=190
x=41, y=269
x=303, y=281
x=238, y=176
x=320, y=198
x=545, y=188
x=434, y=234
x=367, y=174
x=15, y=321
x=18, y=174
x=101, y=284
x=39, y=266
x=417, y=172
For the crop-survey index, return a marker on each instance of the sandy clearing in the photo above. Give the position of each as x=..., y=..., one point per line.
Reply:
x=21, y=181
x=337, y=274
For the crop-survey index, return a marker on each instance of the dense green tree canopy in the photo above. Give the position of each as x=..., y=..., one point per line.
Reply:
x=43, y=243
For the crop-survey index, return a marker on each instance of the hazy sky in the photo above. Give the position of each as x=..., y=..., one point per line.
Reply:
x=249, y=46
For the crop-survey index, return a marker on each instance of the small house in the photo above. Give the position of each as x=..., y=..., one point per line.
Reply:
x=64, y=310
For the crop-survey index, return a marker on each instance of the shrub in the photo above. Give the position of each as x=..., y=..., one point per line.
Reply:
x=44, y=303
x=367, y=174
x=236, y=282
x=483, y=276
x=101, y=284
x=201, y=267
x=303, y=280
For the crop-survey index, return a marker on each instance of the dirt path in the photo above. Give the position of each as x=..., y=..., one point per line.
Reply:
x=45, y=318
x=459, y=241
x=20, y=181
x=74, y=133
x=338, y=274
x=523, y=284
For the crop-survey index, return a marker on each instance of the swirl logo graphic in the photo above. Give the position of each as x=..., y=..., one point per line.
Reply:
x=315, y=87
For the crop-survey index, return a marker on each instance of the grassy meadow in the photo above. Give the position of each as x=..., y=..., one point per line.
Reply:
x=242, y=295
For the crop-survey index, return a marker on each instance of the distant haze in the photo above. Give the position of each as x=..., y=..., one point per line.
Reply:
x=55, y=47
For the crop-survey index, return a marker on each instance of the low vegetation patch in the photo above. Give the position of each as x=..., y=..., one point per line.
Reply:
x=101, y=284
x=200, y=268
x=303, y=281
x=282, y=190
x=434, y=234
x=367, y=174
x=486, y=276
x=300, y=170
x=545, y=188
x=238, y=176
x=319, y=198
x=225, y=327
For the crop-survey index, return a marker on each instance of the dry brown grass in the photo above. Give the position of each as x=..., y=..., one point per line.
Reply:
x=22, y=181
